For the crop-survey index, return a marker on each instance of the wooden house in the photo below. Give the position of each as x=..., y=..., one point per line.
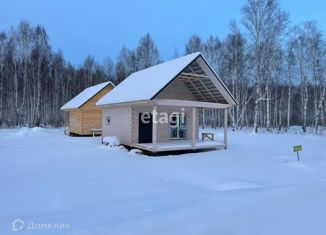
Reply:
x=178, y=89
x=81, y=115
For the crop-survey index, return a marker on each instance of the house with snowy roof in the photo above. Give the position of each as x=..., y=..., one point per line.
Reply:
x=81, y=115
x=157, y=109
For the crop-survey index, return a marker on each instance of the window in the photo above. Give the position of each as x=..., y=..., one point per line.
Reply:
x=178, y=126
x=108, y=120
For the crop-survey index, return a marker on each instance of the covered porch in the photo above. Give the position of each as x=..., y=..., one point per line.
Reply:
x=192, y=140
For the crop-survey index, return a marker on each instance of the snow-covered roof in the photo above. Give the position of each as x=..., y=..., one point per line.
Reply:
x=84, y=96
x=145, y=84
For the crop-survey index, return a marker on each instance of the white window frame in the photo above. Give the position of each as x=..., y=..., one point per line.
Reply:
x=108, y=120
x=178, y=115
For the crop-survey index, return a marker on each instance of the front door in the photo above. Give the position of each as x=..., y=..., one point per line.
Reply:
x=145, y=128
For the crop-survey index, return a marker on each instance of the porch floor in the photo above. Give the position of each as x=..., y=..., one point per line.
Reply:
x=179, y=145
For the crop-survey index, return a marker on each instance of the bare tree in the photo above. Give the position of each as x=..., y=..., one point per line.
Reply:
x=194, y=44
x=147, y=54
x=235, y=46
x=265, y=22
x=126, y=64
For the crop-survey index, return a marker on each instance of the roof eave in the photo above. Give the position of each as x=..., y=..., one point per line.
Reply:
x=126, y=103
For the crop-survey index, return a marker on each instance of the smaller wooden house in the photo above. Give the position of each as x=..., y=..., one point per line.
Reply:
x=81, y=116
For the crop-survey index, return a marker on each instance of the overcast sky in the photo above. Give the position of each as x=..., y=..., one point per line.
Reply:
x=100, y=28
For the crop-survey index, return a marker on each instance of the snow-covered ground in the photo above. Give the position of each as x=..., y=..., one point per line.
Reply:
x=254, y=187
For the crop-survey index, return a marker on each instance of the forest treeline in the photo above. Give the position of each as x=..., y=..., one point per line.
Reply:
x=275, y=70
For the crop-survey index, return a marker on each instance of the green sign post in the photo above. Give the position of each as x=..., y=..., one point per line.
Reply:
x=297, y=149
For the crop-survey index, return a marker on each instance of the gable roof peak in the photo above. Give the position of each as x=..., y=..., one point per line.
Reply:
x=144, y=84
x=85, y=95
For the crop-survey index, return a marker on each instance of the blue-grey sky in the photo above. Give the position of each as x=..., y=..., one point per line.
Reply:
x=100, y=28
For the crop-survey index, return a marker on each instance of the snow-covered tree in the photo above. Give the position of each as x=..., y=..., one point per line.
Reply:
x=147, y=54
x=194, y=44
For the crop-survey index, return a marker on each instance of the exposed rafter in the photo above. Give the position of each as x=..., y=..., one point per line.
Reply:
x=200, y=84
x=194, y=75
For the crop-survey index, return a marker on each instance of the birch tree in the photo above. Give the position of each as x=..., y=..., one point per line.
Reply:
x=235, y=46
x=194, y=44
x=264, y=22
x=126, y=64
x=3, y=38
x=147, y=54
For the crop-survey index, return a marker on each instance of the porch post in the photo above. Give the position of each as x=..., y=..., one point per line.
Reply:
x=154, y=127
x=64, y=122
x=225, y=128
x=193, y=128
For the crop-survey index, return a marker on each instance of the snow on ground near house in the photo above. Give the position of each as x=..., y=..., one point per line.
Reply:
x=254, y=187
